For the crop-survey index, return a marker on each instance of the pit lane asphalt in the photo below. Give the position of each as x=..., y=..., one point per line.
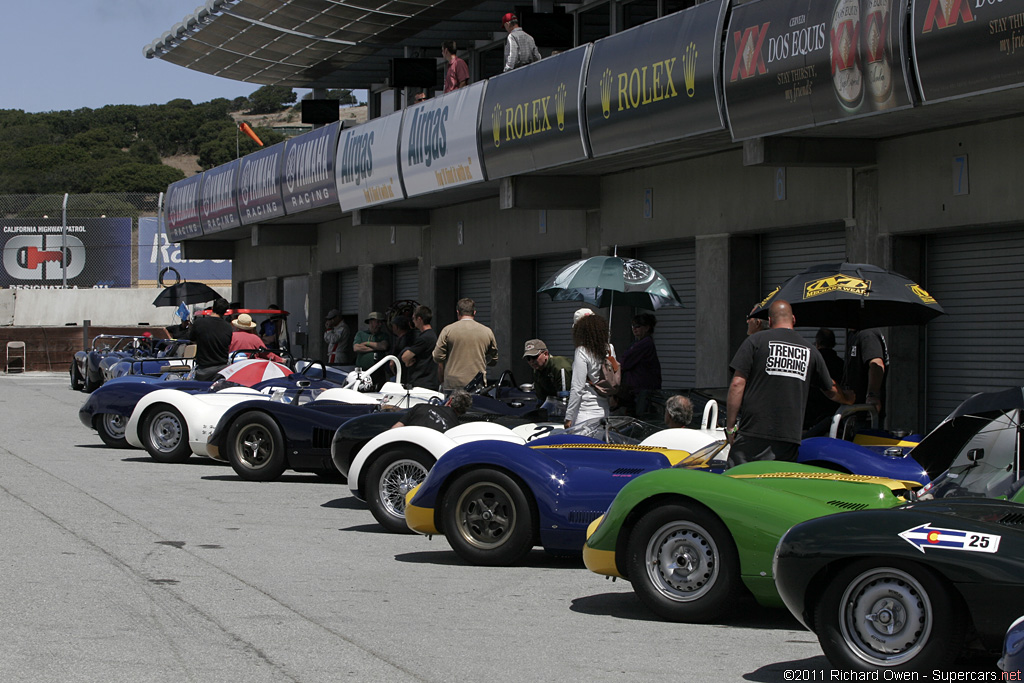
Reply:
x=118, y=568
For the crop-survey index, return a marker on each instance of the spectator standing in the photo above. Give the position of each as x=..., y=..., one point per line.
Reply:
x=678, y=411
x=464, y=349
x=274, y=331
x=755, y=324
x=520, y=48
x=590, y=336
x=641, y=369
x=867, y=363
x=243, y=338
x=441, y=418
x=339, y=339
x=402, y=336
x=370, y=343
x=212, y=335
x=819, y=409
x=457, y=74
x=551, y=374
x=419, y=356
x=772, y=373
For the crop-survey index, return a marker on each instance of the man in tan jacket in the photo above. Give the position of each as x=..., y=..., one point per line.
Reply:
x=464, y=348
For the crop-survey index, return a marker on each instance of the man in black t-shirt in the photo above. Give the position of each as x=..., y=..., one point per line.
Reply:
x=867, y=361
x=212, y=335
x=773, y=370
x=419, y=355
x=436, y=416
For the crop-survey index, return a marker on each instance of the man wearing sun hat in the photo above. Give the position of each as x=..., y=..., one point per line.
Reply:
x=520, y=48
x=551, y=374
x=244, y=338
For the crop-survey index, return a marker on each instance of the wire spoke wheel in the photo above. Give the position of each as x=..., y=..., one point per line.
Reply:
x=396, y=481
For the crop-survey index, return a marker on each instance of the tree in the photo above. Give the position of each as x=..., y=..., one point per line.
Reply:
x=271, y=99
x=136, y=177
x=343, y=96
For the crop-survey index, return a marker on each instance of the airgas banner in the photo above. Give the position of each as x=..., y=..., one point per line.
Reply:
x=440, y=148
x=91, y=252
x=531, y=116
x=259, y=185
x=792, y=64
x=965, y=47
x=181, y=208
x=309, y=170
x=367, y=163
x=218, y=199
x=656, y=82
x=157, y=252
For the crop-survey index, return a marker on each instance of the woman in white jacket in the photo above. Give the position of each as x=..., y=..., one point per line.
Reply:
x=590, y=335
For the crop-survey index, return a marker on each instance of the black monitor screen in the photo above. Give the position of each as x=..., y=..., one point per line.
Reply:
x=414, y=72
x=319, y=111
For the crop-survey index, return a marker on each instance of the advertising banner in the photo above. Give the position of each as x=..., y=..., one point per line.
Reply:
x=440, y=148
x=218, y=199
x=156, y=252
x=367, y=163
x=259, y=185
x=966, y=47
x=656, y=82
x=181, y=208
x=309, y=170
x=792, y=64
x=95, y=252
x=531, y=116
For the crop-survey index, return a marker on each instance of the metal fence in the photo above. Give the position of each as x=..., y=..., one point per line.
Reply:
x=99, y=240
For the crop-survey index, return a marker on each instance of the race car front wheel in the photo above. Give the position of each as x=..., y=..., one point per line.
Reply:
x=256, y=448
x=890, y=615
x=683, y=563
x=165, y=435
x=111, y=429
x=487, y=519
x=393, y=474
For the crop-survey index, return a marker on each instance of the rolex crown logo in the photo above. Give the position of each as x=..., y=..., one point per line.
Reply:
x=690, y=68
x=606, y=93
x=560, y=106
x=496, y=125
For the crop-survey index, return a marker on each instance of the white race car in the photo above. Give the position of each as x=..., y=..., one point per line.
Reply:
x=172, y=425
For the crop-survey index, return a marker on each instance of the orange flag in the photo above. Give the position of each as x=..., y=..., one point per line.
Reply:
x=244, y=127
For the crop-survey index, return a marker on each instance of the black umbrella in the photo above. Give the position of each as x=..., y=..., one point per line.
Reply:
x=853, y=295
x=185, y=292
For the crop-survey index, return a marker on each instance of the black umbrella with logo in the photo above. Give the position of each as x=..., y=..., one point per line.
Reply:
x=853, y=295
x=183, y=291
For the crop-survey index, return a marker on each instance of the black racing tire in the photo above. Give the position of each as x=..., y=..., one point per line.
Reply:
x=111, y=429
x=880, y=614
x=256, y=447
x=683, y=563
x=77, y=383
x=393, y=473
x=164, y=434
x=488, y=519
x=89, y=384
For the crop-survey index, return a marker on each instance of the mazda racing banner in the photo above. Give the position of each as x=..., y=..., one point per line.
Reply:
x=440, y=148
x=965, y=47
x=259, y=185
x=218, y=199
x=531, y=116
x=656, y=82
x=181, y=208
x=94, y=252
x=367, y=163
x=792, y=64
x=309, y=170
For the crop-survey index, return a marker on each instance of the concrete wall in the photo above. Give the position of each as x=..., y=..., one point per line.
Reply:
x=107, y=307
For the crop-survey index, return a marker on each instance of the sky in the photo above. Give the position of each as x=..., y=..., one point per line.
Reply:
x=66, y=54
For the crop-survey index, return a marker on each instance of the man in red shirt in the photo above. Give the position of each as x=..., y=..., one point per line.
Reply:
x=457, y=74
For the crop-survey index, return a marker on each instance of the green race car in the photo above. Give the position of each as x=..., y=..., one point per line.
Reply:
x=689, y=540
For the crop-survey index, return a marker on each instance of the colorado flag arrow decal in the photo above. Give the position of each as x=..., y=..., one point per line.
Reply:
x=927, y=536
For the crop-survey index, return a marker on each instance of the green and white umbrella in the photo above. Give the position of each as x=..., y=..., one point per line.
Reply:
x=604, y=281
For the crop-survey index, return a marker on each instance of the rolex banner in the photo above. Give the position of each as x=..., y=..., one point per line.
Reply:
x=965, y=47
x=440, y=148
x=218, y=199
x=792, y=64
x=181, y=209
x=367, y=163
x=655, y=82
x=531, y=116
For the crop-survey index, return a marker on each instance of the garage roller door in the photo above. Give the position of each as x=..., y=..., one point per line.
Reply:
x=554, y=318
x=406, y=281
x=675, y=334
x=976, y=346
x=475, y=283
x=348, y=296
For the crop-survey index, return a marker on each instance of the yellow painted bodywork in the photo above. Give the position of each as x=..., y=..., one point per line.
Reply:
x=420, y=520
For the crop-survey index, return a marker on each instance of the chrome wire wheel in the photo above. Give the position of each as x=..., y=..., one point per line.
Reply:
x=255, y=446
x=682, y=561
x=165, y=431
x=886, y=617
x=396, y=481
x=486, y=515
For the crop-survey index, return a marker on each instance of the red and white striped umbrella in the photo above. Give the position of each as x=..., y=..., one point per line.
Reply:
x=254, y=371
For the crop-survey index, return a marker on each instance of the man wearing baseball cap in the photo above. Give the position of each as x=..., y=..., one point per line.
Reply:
x=551, y=374
x=520, y=48
x=370, y=342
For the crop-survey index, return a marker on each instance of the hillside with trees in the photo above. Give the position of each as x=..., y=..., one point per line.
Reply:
x=123, y=148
